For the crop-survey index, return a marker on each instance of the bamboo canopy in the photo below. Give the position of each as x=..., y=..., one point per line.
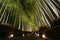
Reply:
x=28, y=15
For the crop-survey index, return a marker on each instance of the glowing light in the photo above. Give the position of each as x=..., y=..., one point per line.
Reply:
x=23, y=35
x=11, y=35
x=37, y=34
x=43, y=36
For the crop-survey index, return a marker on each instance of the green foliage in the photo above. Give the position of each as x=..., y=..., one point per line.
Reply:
x=23, y=8
x=28, y=11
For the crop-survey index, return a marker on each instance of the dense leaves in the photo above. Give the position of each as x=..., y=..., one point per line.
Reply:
x=24, y=9
x=27, y=13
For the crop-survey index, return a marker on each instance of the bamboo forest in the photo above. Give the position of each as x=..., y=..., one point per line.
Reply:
x=30, y=19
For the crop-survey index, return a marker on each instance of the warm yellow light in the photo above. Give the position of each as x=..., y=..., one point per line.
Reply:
x=43, y=36
x=11, y=35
